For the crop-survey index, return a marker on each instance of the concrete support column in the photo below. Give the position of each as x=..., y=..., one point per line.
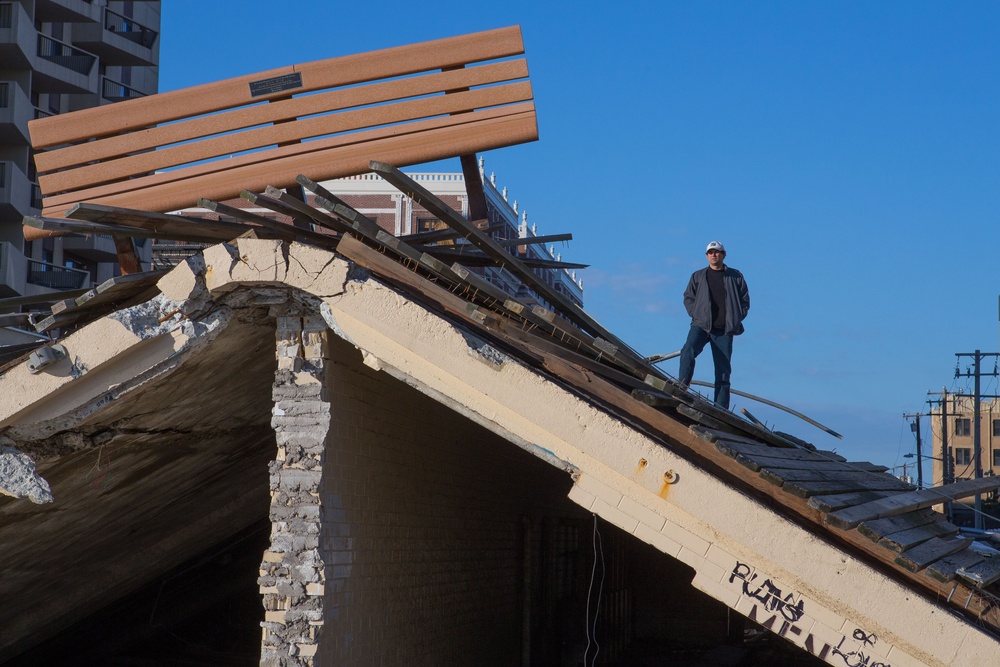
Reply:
x=292, y=574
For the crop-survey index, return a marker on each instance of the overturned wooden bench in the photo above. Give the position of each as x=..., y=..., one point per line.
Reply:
x=330, y=118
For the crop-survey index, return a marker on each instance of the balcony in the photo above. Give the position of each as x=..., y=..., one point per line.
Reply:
x=15, y=192
x=92, y=247
x=118, y=40
x=67, y=11
x=15, y=112
x=17, y=37
x=63, y=68
x=53, y=276
x=114, y=91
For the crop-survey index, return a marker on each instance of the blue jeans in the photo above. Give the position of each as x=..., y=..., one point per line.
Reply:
x=722, y=354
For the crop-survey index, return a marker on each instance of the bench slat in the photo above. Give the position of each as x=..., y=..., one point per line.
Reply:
x=308, y=128
x=279, y=111
x=448, y=53
x=335, y=157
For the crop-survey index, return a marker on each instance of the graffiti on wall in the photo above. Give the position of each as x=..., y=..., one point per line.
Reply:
x=779, y=612
x=858, y=657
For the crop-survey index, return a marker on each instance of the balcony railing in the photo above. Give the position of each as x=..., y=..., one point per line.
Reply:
x=54, y=276
x=114, y=91
x=41, y=114
x=129, y=29
x=36, y=196
x=6, y=15
x=66, y=55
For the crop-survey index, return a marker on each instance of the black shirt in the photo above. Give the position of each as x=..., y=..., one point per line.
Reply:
x=717, y=294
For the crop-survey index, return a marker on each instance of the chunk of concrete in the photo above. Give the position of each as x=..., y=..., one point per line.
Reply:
x=19, y=479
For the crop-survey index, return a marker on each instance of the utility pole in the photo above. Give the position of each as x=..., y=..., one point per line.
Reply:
x=947, y=469
x=915, y=427
x=977, y=448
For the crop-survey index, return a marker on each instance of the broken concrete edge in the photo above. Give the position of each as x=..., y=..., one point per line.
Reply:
x=155, y=339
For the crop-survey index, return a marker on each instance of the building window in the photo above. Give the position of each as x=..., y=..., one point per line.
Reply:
x=996, y=427
x=429, y=224
x=963, y=426
x=963, y=455
x=996, y=458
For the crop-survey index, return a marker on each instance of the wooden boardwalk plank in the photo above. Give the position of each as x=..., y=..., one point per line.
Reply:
x=783, y=475
x=714, y=436
x=876, y=529
x=823, y=465
x=850, y=517
x=907, y=539
x=946, y=569
x=753, y=448
x=836, y=501
x=809, y=489
x=983, y=573
x=936, y=548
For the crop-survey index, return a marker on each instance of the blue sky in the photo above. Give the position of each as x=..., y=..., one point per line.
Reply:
x=846, y=153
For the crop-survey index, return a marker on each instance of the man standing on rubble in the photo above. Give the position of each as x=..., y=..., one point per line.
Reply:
x=717, y=300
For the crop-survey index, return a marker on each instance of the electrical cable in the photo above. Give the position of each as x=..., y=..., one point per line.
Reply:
x=600, y=594
x=590, y=588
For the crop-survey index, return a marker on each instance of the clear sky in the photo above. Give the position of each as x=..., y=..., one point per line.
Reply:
x=846, y=153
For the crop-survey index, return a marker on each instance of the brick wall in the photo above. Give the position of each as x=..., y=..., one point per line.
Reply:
x=423, y=532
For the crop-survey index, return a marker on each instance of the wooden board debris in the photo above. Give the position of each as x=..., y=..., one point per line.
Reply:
x=907, y=539
x=835, y=501
x=983, y=573
x=876, y=529
x=936, y=548
x=850, y=517
x=946, y=569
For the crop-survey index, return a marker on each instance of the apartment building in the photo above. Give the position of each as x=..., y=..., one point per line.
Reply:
x=959, y=436
x=58, y=56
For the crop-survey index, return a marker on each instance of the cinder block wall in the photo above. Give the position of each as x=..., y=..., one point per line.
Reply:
x=422, y=527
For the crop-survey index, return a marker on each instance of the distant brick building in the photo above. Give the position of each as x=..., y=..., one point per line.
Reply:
x=399, y=215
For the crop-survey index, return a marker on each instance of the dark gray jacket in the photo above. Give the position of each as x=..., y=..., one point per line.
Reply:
x=699, y=305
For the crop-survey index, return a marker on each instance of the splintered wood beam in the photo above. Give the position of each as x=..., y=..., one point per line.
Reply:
x=279, y=207
x=128, y=258
x=35, y=299
x=444, y=213
x=468, y=255
x=158, y=222
x=304, y=211
x=330, y=202
x=447, y=234
x=280, y=228
x=474, y=187
x=301, y=232
x=84, y=227
x=534, y=240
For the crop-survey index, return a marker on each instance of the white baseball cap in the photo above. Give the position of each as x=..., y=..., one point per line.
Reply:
x=715, y=245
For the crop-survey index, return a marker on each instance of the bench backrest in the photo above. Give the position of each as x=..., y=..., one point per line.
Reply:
x=325, y=119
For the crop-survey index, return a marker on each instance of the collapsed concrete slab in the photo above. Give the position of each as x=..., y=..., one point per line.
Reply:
x=399, y=514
